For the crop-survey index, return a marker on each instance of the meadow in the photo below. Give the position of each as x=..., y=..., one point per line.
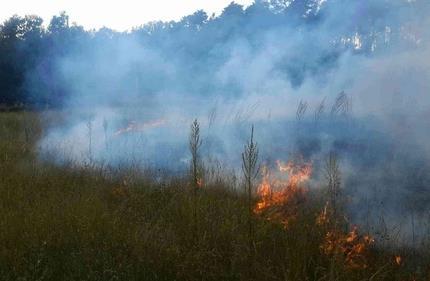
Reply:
x=89, y=222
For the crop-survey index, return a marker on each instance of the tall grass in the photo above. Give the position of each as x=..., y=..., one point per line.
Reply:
x=87, y=223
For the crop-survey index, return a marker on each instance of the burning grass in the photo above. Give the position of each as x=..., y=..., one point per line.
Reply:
x=86, y=223
x=282, y=194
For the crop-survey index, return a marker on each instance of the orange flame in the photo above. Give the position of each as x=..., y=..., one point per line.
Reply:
x=398, y=260
x=282, y=197
x=351, y=246
x=323, y=218
x=133, y=126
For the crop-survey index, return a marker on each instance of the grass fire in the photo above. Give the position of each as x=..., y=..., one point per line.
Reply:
x=266, y=140
x=282, y=197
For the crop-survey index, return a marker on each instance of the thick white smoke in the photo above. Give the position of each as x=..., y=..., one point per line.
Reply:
x=132, y=97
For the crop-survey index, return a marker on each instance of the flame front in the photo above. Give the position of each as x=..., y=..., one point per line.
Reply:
x=279, y=197
x=133, y=126
x=352, y=247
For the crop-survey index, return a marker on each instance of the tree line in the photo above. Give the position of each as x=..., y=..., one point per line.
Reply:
x=30, y=51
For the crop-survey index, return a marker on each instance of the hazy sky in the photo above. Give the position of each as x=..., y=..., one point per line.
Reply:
x=119, y=15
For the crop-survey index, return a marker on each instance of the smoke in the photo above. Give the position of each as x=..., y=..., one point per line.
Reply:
x=132, y=97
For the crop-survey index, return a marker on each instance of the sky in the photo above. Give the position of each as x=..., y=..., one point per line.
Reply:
x=119, y=15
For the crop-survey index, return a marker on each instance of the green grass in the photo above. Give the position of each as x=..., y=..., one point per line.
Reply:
x=82, y=223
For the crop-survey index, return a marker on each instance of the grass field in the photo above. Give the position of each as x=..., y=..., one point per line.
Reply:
x=71, y=222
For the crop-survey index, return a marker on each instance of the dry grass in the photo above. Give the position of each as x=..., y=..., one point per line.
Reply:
x=71, y=223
